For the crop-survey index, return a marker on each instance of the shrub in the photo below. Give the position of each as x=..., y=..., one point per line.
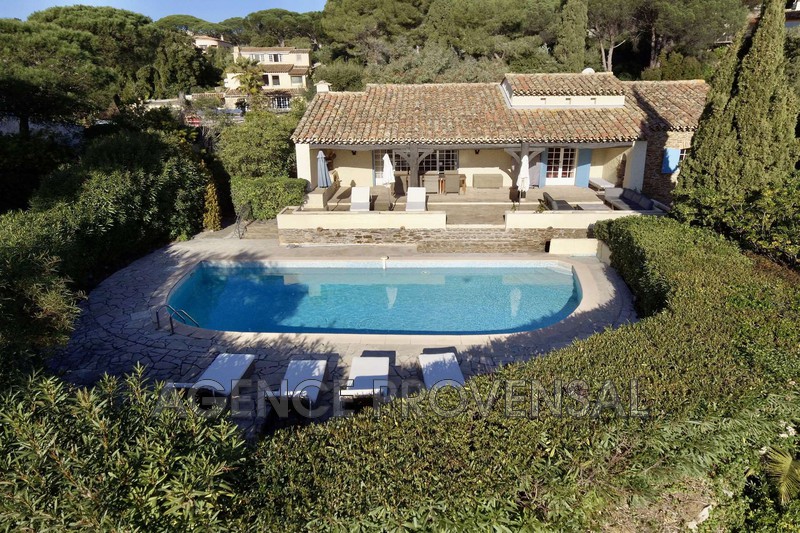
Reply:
x=721, y=337
x=266, y=197
x=211, y=216
x=36, y=308
x=132, y=191
x=115, y=458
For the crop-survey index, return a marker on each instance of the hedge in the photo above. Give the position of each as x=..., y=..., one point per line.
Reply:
x=706, y=364
x=264, y=198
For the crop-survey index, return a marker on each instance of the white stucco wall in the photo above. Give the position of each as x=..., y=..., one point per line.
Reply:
x=634, y=171
x=485, y=162
x=605, y=162
x=354, y=169
x=305, y=169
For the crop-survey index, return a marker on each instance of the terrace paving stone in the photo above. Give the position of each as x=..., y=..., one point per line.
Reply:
x=116, y=329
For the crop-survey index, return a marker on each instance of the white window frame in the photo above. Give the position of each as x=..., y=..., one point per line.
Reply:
x=276, y=80
x=398, y=163
x=275, y=58
x=563, y=155
x=282, y=102
x=448, y=159
x=299, y=80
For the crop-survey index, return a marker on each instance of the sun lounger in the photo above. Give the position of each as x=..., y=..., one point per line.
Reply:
x=369, y=377
x=221, y=377
x=303, y=379
x=415, y=199
x=440, y=370
x=359, y=199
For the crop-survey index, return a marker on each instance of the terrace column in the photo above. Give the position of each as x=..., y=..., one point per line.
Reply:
x=304, y=169
x=413, y=166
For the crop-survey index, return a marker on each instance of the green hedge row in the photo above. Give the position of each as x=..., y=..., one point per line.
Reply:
x=724, y=339
x=264, y=198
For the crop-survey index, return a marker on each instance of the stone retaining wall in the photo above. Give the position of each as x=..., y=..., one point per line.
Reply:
x=461, y=240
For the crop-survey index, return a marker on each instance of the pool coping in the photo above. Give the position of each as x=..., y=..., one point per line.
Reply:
x=588, y=287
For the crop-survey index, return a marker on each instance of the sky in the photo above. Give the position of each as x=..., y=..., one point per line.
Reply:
x=210, y=10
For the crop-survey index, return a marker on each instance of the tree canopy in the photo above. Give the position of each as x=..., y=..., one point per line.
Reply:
x=49, y=73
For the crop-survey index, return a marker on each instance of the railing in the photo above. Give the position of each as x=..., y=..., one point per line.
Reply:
x=173, y=313
x=243, y=214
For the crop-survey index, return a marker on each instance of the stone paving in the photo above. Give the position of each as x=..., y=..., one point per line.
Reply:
x=117, y=329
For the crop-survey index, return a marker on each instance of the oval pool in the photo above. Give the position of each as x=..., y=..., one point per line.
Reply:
x=350, y=297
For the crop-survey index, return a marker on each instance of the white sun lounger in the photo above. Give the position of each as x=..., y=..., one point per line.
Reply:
x=359, y=199
x=369, y=377
x=415, y=199
x=303, y=379
x=440, y=370
x=222, y=375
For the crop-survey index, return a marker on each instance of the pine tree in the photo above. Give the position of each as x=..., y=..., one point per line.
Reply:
x=745, y=147
x=571, y=48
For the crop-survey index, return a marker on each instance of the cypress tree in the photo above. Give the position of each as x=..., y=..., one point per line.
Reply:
x=571, y=37
x=745, y=147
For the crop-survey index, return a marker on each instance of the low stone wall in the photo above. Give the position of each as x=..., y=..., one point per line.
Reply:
x=458, y=240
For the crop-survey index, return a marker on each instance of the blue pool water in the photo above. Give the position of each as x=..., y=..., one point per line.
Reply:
x=429, y=300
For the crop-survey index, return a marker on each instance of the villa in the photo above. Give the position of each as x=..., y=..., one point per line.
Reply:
x=572, y=130
x=284, y=72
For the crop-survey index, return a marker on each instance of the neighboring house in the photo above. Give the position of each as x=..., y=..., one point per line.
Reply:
x=566, y=128
x=285, y=72
x=204, y=42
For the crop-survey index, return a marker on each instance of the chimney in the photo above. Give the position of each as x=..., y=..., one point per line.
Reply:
x=323, y=86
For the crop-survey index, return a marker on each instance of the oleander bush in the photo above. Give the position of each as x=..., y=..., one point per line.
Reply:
x=712, y=360
x=265, y=197
x=115, y=458
x=131, y=191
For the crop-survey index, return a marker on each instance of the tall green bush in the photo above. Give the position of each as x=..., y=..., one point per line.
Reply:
x=571, y=48
x=263, y=198
x=739, y=178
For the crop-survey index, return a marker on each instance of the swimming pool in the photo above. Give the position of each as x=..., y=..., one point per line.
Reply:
x=419, y=298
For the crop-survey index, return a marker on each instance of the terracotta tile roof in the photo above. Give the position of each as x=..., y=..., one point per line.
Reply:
x=565, y=84
x=670, y=105
x=479, y=113
x=275, y=68
x=298, y=71
x=276, y=49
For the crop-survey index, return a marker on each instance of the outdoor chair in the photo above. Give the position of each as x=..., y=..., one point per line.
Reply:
x=359, y=199
x=303, y=380
x=628, y=200
x=440, y=370
x=555, y=205
x=415, y=199
x=452, y=183
x=431, y=182
x=369, y=378
x=220, y=379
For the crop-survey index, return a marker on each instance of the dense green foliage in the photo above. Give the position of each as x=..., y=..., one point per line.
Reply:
x=49, y=73
x=131, y=191
x=114, y=458
x=571, y=48
x=23, y=163
x=148, y=61
x=720, y=338
x=263, y=198
x=740, y=178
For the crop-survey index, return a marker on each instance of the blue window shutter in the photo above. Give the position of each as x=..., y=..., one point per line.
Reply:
x=543, y=169
x=672, y=158
x=584, y=165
